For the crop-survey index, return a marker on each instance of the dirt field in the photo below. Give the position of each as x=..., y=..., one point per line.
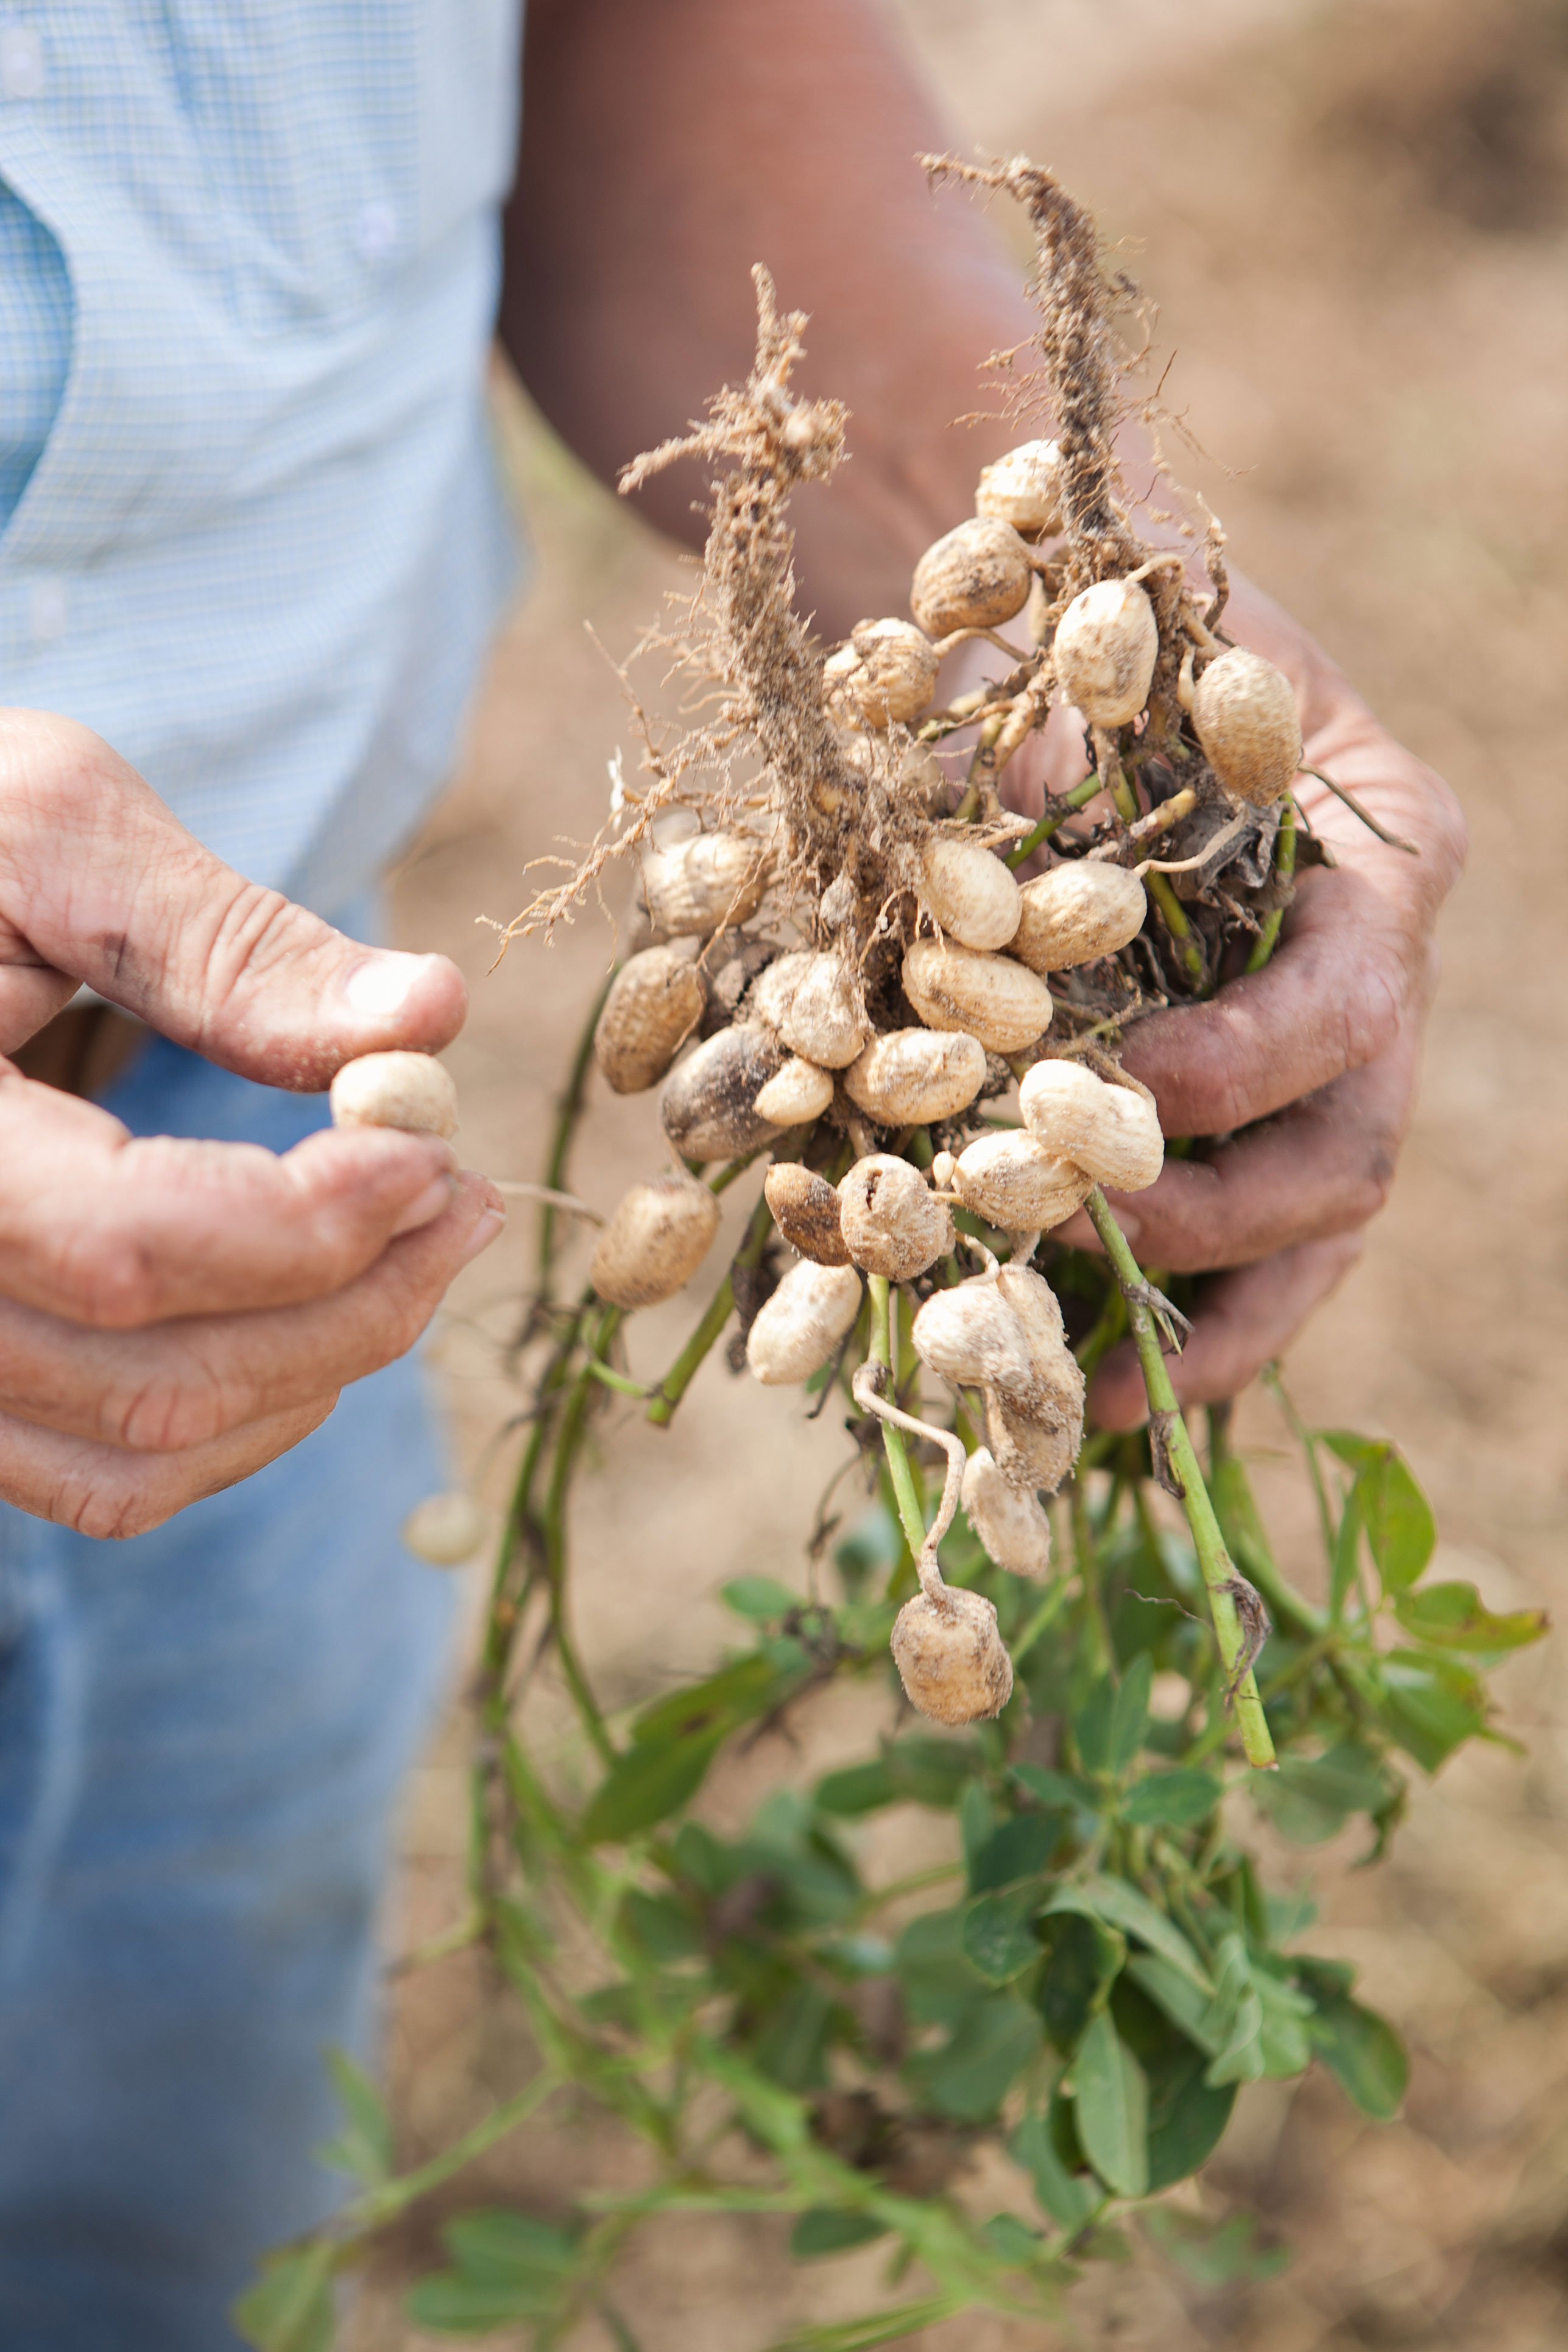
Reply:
x=1355, y=219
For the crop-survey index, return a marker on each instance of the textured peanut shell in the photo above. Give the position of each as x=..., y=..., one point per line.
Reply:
x=1035, y=1451
x=798, y=1094
x=798, y=1328
x=695, y=885
x=709, y=1101
x=1024, y=489
x=445, y=1530
x=806, y=1209
x=885, y=672
x=970, y=892
x=1008, y=1519
x=656, y=1001
x=1111, y=1133
x=1053, y=1367
x=1105, y=649
x=773, y=988
x=906, y=1076
x=1001, y=1002
x=952, y=1659
x=892, y=1223
x=412, y=1091
x=1014, y=1184
x=974, y=578
x=1245, y=712
x=656, y=1241
x=1077, y=912
x=825, y=1019
x=970, y=1335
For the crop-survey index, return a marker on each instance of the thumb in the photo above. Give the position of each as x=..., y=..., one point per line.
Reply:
x=101, y=882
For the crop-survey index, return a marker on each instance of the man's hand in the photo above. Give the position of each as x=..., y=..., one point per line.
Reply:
x=174, y=1315
x=1311, y=1064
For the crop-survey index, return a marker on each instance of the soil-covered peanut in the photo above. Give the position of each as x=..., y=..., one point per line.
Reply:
x=951, y=1657
x=1016, y=1183
x=1024, y=489
x=1001, y=1002
x=970, y=892
x=1111, y=1133
x=806, y=1209
x=892, y=1223
x=445, y=1530
x=973, y=578
x=1008, y=1519
x=1034, y=1452
x=906, y=1076
x=1105, y=648
x=970, y=1335
x=412, y=1091
x=656, y=1241
x=655, y=1002
x=797, y=1329
x=1077, y=912
x=1246, y=721
x=886, y=672
x=824, y=1017
x=798, y=1094
x=691, y=886
x=709, y=1101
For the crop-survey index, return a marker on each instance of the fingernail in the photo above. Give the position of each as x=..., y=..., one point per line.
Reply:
x=484, y=1233
x=426, y=1205
x=383, y=983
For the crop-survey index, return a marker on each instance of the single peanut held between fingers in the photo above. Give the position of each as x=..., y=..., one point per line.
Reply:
x=798, y=1329
x=1246, y=721
x=1078, y=911
x=656, y=1241
x=951, y=1657
x=412, y=1091
x=1105, y=649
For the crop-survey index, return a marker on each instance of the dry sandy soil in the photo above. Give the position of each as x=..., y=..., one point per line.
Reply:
x=1355, y=218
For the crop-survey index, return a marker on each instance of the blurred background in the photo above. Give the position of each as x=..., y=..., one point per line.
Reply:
x=1353, y=219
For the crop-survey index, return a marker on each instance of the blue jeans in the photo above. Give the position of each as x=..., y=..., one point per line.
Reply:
x=202, y=1733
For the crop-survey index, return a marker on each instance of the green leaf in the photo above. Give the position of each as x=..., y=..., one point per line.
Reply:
x=1282, y=2034
x=1362, y=2052
x=865, y=2334
x=935, y=1771
x=832, y=2230
x=990, y=2047
x=746, y=1688
x=1399, y=1528
x=1086, y=1958
x=661, y=1924
x=1188, y=2005
x=1129, y=1714
x=1110, y=2103
x=363, y=2148
x=760, y=1598
x=1347, y=1555
x=1058, y=1792
x=1093, y=1727
x=290, y=2307
x=646, y=1785
x=1021, y=1848
x=1014, y=2241
x=1187, y=2115
x=999, y=1941
x=1310, y=1798
x=937, y=1981
x=859, y=1789
x=1069, y=2197
x=978, y=1821
x=1455, y=1617
x=1430, y=1704
x=1177, y=1799
x=792, y=2048
x=1214, y=2255
x=1122, y=1906
x=1241, y=1522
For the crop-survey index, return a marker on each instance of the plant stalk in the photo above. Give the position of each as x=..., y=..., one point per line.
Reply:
x=1284, y=866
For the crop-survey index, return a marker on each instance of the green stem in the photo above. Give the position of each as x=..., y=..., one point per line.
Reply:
x=1067, y=805
x=573, y=1423
x=369, y=2212
x=616, y=1380
x=1174, y=916
x=1218, y=1569
x=911, y=1515
x=1284, y=867
x=567, y=1113
x=666, y=1396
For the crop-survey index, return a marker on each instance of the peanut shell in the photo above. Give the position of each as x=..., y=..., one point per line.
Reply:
x=974, y=578
x=656, y=1241
x=824, y=1018
x=885, y=672
x=656, y=1001
x=1024, y=489
x=1008, y=1520
x=892, y=1223
x=906, y=1076
x=710, y=878
x=970, y=892
x=445, y=1530
x=806, y=1209
x=1016, y=1183
x=969, y=1335
x=1111, y=1133
x=412, y=1091
x=1105, y=649
x=991, y=998
x=709, y=1101
x=799, y=1093
x=1075, y=912
x=951, y=1657
x=1245, y=715
x=1034, y=1452
x=797, y=1330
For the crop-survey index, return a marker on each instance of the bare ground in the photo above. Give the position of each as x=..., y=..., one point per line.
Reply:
x=1355, y=219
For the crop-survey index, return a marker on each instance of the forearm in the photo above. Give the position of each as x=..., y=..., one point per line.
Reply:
x=665, y=150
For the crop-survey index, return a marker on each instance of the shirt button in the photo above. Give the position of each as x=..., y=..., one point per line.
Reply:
x=21, y=61
x=375, y=231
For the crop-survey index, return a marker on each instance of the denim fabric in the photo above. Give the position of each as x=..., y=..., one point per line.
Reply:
x=202, y=1732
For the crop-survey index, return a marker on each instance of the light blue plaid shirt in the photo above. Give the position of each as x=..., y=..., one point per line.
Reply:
x=252, y=531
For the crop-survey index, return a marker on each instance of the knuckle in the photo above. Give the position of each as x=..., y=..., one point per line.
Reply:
x=105, y=1279
x=170, y=1412
x=113, y=1510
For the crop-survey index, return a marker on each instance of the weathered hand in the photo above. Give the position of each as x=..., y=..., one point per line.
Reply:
x=173, y=1313
x=1306, y=1071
